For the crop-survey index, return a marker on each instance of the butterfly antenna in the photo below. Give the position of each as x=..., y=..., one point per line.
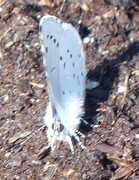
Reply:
x=68, y=138
x=79, y=133
x=88, y=124
x=78, y=139
x=30, y=136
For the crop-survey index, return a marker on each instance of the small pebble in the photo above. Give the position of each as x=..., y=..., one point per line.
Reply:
x=16, y=162
x=137, y=137
x=8, y=154
x=5, y=98
x=92, y=39
x=86, y=40
x=36, y=162
x=121, y=90
x=32, y=101
x=36, y=44
x=1, y=9
x=103, y=52
x=27, y=47
x=16, y=177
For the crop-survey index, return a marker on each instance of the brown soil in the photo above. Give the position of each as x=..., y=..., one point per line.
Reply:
x=112, y=149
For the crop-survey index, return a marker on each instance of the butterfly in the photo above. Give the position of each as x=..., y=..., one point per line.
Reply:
x=64, y=61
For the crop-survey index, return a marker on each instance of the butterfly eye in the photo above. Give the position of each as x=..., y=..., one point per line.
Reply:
x=58, y=128
x=61, y=127
x=53, y=126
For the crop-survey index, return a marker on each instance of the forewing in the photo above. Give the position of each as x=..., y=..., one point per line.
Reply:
x=50, y=32
x=63, y=57
x=71, y=66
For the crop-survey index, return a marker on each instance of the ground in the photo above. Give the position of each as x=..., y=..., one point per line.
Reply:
x=110, y=31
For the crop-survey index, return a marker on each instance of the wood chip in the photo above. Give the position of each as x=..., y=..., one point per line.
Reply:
x=9, y=44
x=68, y=173
x=136, y=72
x=119, y=161
x=1, y=55
x=5, y=34
x=46, y=2
x=18, y=136
x=125, y=93
x=107, y=148
x=85, y=7
x=2, y=2
x=122, y=172
x=36, y=85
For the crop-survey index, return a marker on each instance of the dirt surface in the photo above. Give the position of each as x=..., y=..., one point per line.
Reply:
x=110, y=31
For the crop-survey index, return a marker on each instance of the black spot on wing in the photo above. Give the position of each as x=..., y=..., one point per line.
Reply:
x=61, y=127
x=73, y=64
x=53, y=126
x=61, y=58
x=78, y=80
x=53, y=69
x=68, y=50
x=57, y=45
x=48, y=36
x=54, y=40
x=46, y=50
x=51, y=37
x=70, y=55
x=64, y=65
x=63, y=92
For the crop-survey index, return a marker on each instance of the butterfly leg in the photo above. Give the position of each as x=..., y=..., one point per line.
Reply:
x=78, y=140
x=51, y=143
x=68, y=139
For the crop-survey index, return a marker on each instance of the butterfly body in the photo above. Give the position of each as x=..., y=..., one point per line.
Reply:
x=64, y=61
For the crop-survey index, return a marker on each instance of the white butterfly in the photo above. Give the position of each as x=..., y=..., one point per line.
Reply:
x=64, y=60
